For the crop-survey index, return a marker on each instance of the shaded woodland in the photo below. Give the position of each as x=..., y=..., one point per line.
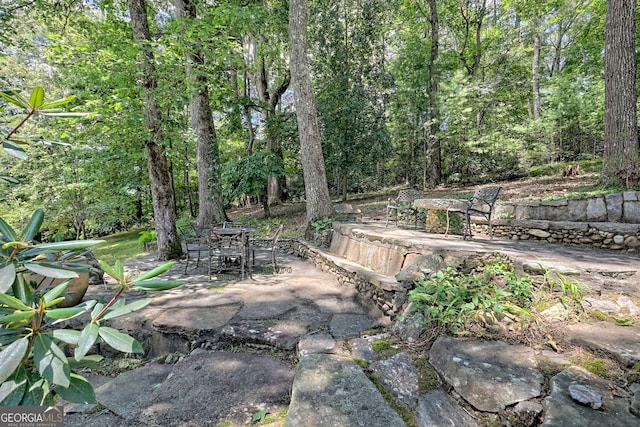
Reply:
x=194, y=102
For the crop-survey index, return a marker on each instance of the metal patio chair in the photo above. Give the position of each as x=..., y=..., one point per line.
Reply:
x=403, y=205
x=481, y=203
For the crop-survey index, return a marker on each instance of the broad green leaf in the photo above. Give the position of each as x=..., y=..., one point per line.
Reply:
x=157, y=285
x=38, y=394
x=87, y=361
x=57, y=102
x=11, y=357
x=64, y=313
x=155, y=272
x=134, y=306
x=7, y=277
x=88, y=337
x=18, y=316
x=109, y=270
x=55, y=292
x=14, y=150
x=13, y=389
x=45, y=269
x=51, y=361
x=7, y=231
x=37, y=97
x=119, y=268
x=69, y=336
x=33, y=226
x=119, y=341
x=22, y=291
x=16, y=99
x=65, y=246
x=13, y=302
x=97, y=309
x=53, y=302
x=64, y=114
x=79, y=391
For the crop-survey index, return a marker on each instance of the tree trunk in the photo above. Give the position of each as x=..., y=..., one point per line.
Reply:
x=270, y=99
x=315, y=180
x=621, y=123
x=161, y=193
x=535, y=72
x=433, y=141
x=210, y=202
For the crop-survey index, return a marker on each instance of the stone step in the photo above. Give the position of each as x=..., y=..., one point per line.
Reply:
x=330, y=390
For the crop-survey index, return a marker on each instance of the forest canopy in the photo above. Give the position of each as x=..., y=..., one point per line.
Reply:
x=408, y=92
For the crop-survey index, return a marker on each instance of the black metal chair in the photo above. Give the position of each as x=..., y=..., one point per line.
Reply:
x=195, y=244
x=228, y=251
x=269, y=246
x=481, y=203
x=403, y=204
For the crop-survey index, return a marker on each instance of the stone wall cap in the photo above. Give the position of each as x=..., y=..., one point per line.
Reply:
x=616, y=227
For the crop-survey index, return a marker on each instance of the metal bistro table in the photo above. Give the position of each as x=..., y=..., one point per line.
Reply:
x=229, y=250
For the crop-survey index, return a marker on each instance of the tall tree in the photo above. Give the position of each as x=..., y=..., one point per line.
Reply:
x=434, y=160
x=160, y=178
x=621, y=121
x=315, y=180
x=210, y=202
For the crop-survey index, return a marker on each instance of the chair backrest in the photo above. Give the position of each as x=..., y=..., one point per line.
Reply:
x=408, y=196
x=276, y=236
x=484, y=198
x=219, y=241
x=189, y=231
x=234, y=224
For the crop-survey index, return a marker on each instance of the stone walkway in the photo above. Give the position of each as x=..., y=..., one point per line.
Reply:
x=228, y=350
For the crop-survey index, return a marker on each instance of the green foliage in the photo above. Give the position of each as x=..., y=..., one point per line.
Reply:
x=258, y=416
x=571, y=288
x=249, y=175
x=321, y=225
x=380, y=345
x=520, y=287
x=147, y=236
x=34, y=368
x=456, y=221
x=453, y=300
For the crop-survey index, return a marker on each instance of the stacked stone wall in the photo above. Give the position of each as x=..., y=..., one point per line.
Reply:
x=618, y=207
x=605, y=235
x=379, y=297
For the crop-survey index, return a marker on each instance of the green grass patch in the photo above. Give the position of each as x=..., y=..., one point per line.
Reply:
x=121, y=246
x=550, y=169
x=596, y=366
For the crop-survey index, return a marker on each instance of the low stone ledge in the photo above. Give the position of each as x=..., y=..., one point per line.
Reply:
x=381, y=281
x=603, y=235
x=381, y=294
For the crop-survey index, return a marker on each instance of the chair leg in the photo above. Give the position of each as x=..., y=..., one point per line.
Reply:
x=490, y=229
x=274, y=264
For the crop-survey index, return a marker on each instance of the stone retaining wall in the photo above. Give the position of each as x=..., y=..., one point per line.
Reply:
x=604, y=235
x=619, y=207
x=381, y=294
